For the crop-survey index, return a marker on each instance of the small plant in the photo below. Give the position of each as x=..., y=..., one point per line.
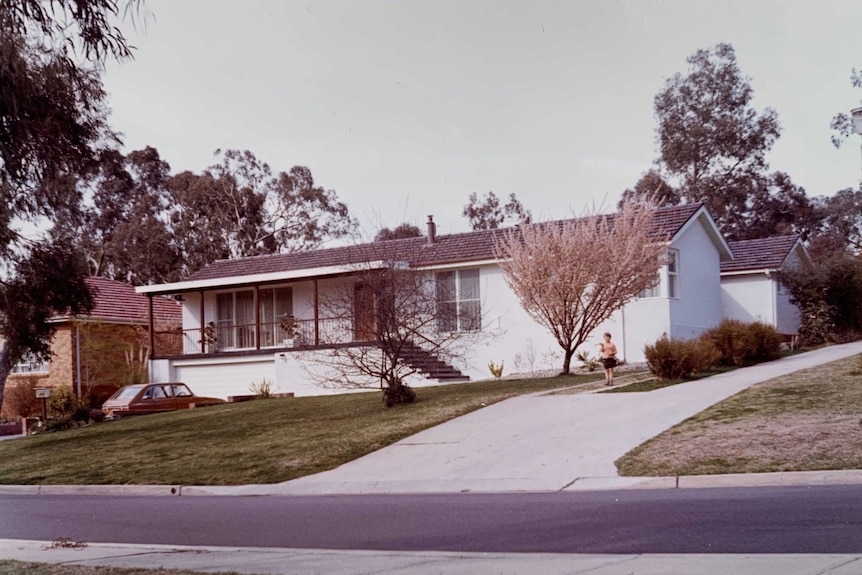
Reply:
x=262, y=389
x=289, y=327
x=588, y=363
x=209, y=334
x=496, y=370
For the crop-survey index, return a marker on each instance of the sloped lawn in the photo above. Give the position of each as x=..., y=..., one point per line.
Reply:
x=263, y=441
x=808, y=420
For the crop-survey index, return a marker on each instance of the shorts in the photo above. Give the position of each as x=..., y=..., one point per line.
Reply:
x=609, y=362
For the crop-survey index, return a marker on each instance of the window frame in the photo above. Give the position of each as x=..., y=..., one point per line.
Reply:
x=462, y=299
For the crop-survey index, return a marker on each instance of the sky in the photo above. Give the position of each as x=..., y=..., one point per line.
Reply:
x=405, y=108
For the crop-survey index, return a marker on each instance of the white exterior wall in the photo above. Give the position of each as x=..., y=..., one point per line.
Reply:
x=698, y=305
x=511, y=336
x=748, y=298
x=759, y=297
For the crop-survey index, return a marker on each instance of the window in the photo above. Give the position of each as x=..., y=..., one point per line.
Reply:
x=31, y=364
x=276, y=305
x=458, y=301
x=235, y=319
x=672, y=266
x=673, y=273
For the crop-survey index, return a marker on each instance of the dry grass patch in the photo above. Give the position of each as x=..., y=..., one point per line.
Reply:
x=808, y=420
x=20, y=567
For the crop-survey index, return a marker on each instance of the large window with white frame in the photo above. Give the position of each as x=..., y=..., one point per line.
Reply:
x=235, y=320
x=276, y=306
x=458, y=301
x=235, y=317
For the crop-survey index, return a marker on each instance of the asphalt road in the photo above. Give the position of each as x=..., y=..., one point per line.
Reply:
x=825, y=519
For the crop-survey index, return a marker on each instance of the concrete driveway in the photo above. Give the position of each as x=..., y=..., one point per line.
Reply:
x=539, y=442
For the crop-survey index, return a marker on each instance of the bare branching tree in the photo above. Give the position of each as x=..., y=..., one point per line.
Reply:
x=571, y=275
x=401, y=324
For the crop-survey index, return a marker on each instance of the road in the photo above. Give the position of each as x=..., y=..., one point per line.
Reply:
x=824, y=519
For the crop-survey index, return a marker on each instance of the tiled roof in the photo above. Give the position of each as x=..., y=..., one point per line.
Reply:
x=760, y=254
x=118, y=301
x=446, y=249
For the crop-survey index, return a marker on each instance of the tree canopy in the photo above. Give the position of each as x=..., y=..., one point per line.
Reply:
x=710, y=137
x=53, y=130
x=570, y=286
x=486, y=213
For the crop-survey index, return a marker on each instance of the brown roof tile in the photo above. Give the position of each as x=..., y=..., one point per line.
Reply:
x=118, y=301
x=764, y=253
x=452, y=248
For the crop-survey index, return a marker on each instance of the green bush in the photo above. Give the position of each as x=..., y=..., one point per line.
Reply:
x=398, y=394
x=741, y=343
x=677, y=359
x=766, y=342
x=731, y=339
x=65, y=410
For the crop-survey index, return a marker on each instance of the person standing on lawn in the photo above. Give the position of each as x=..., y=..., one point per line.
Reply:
x=609, y=358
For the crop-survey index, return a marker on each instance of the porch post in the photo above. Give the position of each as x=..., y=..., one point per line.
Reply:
x=150, y=325
x=316, y=314
x=203, y=325
x=256, y=317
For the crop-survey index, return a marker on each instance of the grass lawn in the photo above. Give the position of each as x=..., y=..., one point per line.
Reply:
x=264, y=441
x=808, y=420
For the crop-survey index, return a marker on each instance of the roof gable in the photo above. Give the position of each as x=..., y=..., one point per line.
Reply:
x=760, y=254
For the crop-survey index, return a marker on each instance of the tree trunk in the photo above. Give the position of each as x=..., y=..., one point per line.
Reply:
x=567, y=360
x=5, y=368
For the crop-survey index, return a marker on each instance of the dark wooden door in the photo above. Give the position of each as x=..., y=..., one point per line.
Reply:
x=363, y=313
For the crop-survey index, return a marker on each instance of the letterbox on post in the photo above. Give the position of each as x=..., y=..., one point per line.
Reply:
x=43, y=393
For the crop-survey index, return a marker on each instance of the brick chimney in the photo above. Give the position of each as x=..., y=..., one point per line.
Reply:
x=432, y=230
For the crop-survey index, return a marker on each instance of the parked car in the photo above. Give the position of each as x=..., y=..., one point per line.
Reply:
x=144, y=398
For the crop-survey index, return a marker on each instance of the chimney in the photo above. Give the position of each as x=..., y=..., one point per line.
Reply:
x=432, y=230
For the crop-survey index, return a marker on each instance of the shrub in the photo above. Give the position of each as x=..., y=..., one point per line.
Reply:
x=262, y=390
x=766, y=342
x=398, y=394
x=677, y=359
x=741, y=343
x=731, y=338
x=588, y=363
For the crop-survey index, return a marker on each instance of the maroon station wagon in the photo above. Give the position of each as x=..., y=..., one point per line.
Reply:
x=145, y=398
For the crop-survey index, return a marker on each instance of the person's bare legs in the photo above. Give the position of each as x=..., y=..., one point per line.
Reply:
x=609, y=376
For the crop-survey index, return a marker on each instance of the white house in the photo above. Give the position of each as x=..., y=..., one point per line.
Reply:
x=233, y=333
x=749, y=289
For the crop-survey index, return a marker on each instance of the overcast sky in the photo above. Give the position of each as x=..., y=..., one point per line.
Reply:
x=406, y=107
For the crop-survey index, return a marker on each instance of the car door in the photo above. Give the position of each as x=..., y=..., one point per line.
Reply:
x=156, y=398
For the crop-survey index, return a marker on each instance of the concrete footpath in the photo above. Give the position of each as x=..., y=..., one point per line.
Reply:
x=533, y=443
x=313, y=561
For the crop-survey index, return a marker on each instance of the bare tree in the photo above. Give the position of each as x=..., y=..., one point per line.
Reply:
x=401, y=324
x=571, y=275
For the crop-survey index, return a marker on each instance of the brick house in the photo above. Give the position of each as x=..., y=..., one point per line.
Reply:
x=107, y=349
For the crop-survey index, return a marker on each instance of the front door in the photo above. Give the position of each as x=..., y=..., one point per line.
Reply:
x=363, y=313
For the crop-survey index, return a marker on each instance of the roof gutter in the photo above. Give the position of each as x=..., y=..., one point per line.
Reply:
x=231, y=281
